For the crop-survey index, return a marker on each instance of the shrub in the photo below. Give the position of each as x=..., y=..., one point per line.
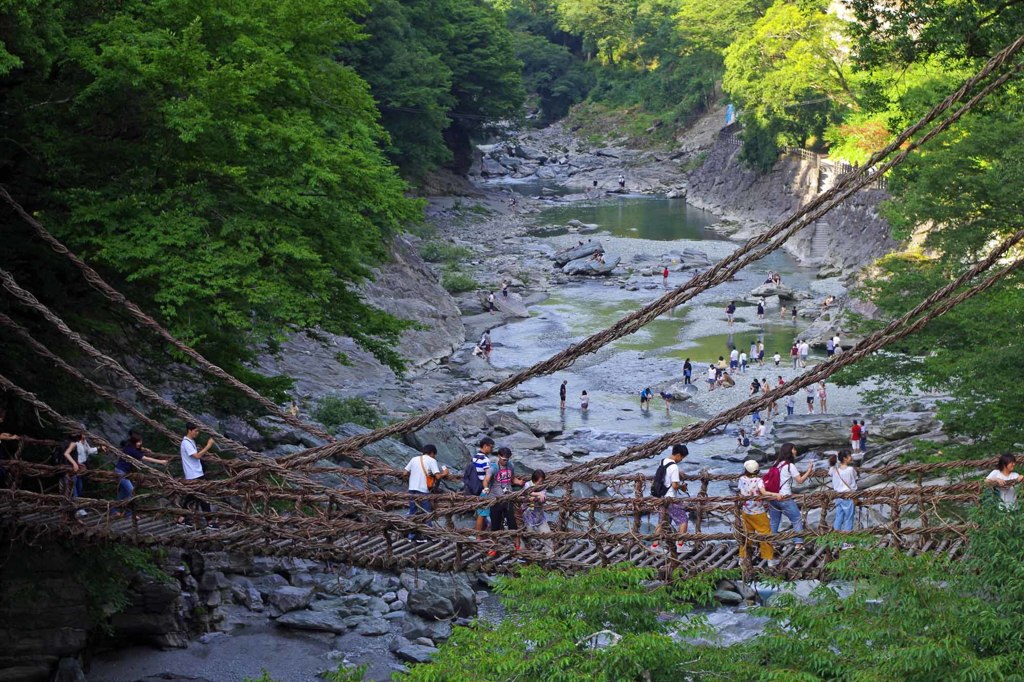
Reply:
x=441, y=252
x=457, y=282
x=333, y=411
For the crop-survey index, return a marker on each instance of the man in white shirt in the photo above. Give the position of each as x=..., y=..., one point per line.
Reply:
x=423, y=473
x=192, y=465
x=676, y=489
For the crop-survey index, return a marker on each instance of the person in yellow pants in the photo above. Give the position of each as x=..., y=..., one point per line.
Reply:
x=753, y=515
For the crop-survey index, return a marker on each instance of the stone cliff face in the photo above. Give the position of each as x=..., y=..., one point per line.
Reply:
x=404, y=287
x=850, y=236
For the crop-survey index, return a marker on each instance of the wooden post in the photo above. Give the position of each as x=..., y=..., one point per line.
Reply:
x=638, y=496
x=923, y=537
x=746, y=566
x=895, y=522
x=564, y=513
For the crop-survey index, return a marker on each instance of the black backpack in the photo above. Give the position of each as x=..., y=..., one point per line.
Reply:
x=471, y=483
x=658, y=487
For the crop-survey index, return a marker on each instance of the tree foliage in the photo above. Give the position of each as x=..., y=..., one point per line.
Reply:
x=213, y=156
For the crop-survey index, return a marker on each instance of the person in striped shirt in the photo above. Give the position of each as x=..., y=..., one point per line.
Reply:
x=482, y=464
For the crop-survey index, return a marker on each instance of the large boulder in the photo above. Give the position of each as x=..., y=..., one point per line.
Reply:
x=506, y=422
x=512, y=304
x=589, y=266
x=780, y=290
x=415, y=627
x=489, y=168
x=286, y=599
x=443, y=434
x=815, y=431
x=521, y=441
x=320, y=621
x=453, y=587
x=577, y=252
x=429, y=604
x=389, y=451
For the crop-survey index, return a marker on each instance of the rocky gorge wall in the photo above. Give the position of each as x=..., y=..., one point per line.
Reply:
x=850, y=236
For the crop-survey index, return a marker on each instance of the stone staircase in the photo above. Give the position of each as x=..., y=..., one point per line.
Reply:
x=820, y=242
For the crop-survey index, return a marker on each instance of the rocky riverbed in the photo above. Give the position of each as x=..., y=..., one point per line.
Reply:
x=318, y=616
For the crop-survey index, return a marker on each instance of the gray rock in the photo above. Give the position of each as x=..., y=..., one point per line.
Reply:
x=507, y=422
x=246, y=595
x=266, y=584
x=819, y=431
x=414, y=628
x=373, y=628
x=395, y=615
x=728, y=597
x=443, y=434
x=425, y=602
x=590, y=267
x=527, y=152
x=521, y=441
x=286, y=599
x=489, y=168
x=416, y=653
x=577, y=252
x=321, y=621
x=389, y=597
x=390, y=451
x=425, y=641
x=69, y=670
x=545, y=428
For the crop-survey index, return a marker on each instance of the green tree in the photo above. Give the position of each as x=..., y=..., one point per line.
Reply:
x=212, y=157
x=789, y=71
x=713, y=26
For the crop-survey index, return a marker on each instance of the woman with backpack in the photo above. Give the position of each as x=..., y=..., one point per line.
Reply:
x=779, y=479
x=844, y=480
x=752, y=514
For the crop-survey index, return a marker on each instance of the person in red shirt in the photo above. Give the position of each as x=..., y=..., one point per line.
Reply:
x=855, y=436
x=664, y=276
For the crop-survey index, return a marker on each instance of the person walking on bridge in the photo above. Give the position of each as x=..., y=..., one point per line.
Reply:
x=780, y=479
x=844, y=480
x=501, y=478
x=482, y=464
x=77, y=454
x=192, y=466
x=423, y=474
x=671, y=485
x=753, y=517
x=133, y=450
x=1004, y=480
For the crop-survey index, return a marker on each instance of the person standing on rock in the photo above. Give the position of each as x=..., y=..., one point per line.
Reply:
x=485, y=344
x=760, y=310
x=760, y=353
x=502, y=478
x=490, y=302
x=622, y=181
x=423, y=474
x=482, y=464
x=675, y=488
x=805, y=349
x=753, y=517
x=664, y=277
x=743, y=362
x=787, y=473
x=810, y=399
x=777, y=358
x=794, y=353
x=837, y=346
x=753, y=352
x=504, y=288
x=793, y=314
x=863, y=437
x=734, y=359
x=730, y=310
x=855, y=436
x=561, y=394
x=712, y=377
x=687, y=372
x=192, y=466
x=822, y=398
x=830, y=347
x=790, y=405
x=844, y=480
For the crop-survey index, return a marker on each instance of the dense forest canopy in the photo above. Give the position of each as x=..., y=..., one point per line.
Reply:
x=238, y=167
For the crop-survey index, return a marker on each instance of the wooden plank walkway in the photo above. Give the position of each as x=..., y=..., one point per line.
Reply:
x=392, y=550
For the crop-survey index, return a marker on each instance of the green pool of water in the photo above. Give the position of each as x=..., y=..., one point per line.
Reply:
x=657, y=219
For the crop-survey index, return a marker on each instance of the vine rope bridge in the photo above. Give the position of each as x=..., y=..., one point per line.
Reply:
x=290, y=506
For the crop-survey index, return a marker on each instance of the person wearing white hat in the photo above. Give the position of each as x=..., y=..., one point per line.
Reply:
x=753, y=515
